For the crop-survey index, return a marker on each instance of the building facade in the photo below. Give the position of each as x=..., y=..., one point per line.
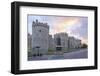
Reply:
x=40, y=34
x=61, y=41
x=51, y=43
x=78, y=43
x=29, y=42
x=73, y=43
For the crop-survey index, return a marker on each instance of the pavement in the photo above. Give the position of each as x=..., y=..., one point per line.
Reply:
x=79, y=54
x=82, y=53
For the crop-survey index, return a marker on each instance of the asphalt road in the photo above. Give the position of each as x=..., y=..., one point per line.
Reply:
x=83, y=53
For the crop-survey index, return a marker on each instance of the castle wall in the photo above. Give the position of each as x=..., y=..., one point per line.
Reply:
x=42, y=41
x=74, y=43
x=63, y=43
x=40, y=34
x=29, y=42
x=51, y=43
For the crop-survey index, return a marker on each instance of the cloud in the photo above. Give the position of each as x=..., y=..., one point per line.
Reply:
x=81, y=29
x=63, y=23
x=74, y=26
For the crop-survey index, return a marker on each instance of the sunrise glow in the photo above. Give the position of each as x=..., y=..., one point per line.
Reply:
x=74, y=26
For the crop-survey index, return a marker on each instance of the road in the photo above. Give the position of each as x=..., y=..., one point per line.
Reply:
x=79, y=54
x=83, y=53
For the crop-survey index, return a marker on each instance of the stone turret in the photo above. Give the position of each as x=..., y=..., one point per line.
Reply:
x=35, y=24
x=40, y=35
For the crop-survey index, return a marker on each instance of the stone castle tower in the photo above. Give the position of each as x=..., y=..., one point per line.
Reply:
x=40, y=34
x=61, y=41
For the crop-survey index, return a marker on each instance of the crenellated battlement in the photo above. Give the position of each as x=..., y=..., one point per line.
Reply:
x=36, y=23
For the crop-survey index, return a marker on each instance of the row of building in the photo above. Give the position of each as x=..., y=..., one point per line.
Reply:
x=40, y=41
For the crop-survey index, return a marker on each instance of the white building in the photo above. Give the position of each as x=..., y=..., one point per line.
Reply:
x=61, y=41
x=40, y=34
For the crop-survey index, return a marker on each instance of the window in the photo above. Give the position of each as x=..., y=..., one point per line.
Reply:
x=58, y=41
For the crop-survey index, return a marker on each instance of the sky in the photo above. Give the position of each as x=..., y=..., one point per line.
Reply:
x=75, y=26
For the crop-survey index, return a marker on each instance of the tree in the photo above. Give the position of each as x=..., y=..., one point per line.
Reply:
x=84, y=45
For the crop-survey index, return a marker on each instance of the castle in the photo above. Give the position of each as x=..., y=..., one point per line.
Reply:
x=41, y=41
